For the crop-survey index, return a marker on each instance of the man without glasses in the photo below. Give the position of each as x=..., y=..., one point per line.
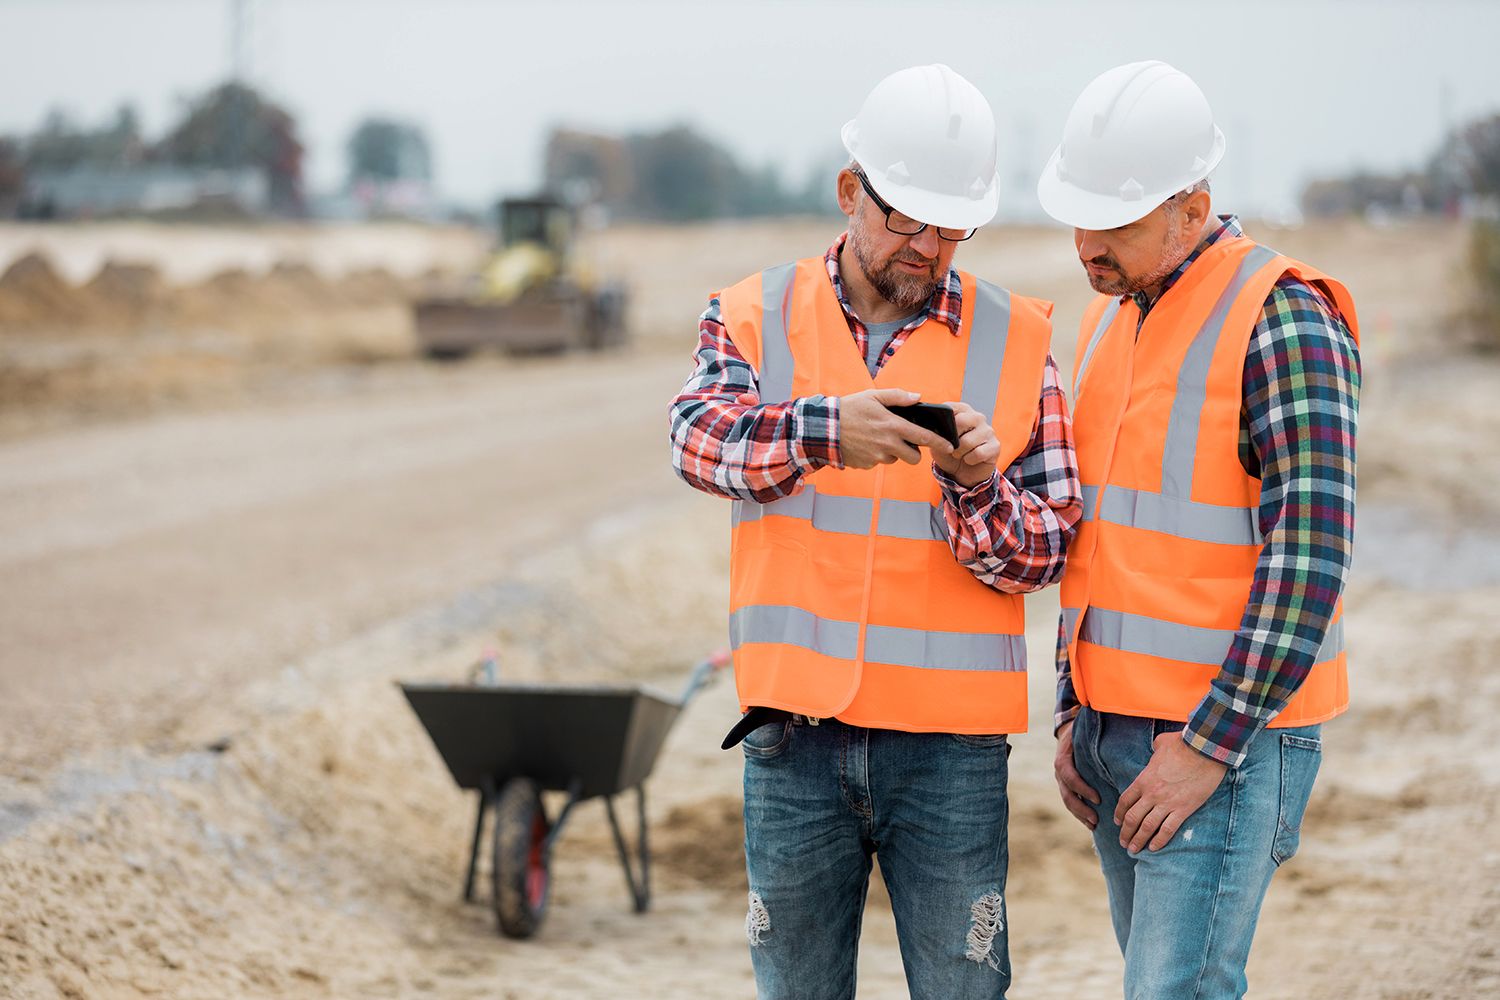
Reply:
x=1201, y=645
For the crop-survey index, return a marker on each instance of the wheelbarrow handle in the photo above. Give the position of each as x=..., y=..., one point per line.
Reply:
x=702, y=670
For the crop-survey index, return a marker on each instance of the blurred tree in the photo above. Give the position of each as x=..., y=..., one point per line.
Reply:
x=384, y=150
x=680, y=175
x=12, y=177
x=61, y=145
x=1354, y=195
x=1484, y=267
x=232, y=126
x=1473, y=156
x=581, y=166
x=675, y=174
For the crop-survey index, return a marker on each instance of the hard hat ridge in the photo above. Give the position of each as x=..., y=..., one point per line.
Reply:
x=1136, y=136
x=925, y=139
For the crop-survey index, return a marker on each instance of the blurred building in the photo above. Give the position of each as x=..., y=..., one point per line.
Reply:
x=233, y=154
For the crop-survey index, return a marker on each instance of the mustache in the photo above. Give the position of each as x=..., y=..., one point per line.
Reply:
x=1103, y=260
x=910, y=256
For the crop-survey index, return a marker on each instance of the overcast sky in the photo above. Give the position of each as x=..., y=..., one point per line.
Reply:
x=1301, y=89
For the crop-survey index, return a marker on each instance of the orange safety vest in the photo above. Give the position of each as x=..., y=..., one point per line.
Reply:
x=1160, y=570
x=846, y=600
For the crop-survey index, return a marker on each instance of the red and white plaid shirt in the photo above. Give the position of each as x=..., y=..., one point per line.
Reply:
x=1010, y=531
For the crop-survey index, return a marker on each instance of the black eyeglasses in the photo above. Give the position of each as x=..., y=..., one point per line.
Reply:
x=905, y=225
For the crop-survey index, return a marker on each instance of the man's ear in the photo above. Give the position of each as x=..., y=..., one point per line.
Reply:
x=1196, y=211
x=848, y=191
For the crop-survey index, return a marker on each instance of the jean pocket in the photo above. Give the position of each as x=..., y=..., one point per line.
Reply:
x=980, y=739
x=769, y=740
x=1300, y=757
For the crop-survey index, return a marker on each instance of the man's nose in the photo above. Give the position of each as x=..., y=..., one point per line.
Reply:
x=926, y=242
x=1089, y=244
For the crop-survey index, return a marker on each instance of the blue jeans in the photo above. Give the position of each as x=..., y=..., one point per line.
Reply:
x=1185, y=915
x=819, y=801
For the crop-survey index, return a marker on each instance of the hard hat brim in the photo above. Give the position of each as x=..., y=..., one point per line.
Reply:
x=945, y=211
x=1082, y=209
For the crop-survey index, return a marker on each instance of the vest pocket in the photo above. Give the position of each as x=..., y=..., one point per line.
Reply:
x=1300, y=757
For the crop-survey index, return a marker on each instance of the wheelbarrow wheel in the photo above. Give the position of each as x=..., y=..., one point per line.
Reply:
x=520, y=870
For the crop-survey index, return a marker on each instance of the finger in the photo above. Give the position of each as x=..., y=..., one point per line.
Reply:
x=1166, y=832
x=914, y=434
x=986, y=453
x=1128, y=798
x=1130, y=823
x=1079, y=809
x=974, y=439
x=1075, y=784
x=966, y=419
x=894, y=397
x=1148, y=826
x=747, y=399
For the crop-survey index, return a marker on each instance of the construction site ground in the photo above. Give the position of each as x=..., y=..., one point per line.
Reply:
x=210, y=785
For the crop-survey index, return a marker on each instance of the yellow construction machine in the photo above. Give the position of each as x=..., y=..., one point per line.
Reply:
x=532, y=295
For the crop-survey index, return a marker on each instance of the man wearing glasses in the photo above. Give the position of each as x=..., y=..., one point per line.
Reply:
x=877, y=570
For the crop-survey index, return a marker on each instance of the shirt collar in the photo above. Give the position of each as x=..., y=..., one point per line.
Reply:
x=946, y=303
x=1228, y=228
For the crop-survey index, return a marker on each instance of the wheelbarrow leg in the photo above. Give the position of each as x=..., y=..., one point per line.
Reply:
x=486, y=797
x=640, y=894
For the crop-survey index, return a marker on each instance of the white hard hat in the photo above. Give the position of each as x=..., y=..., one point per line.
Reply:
x=1136, y=136
x=925, y=138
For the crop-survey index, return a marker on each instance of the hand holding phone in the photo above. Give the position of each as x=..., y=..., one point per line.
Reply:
x=935, y=417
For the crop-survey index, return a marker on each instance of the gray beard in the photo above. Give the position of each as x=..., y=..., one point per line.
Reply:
x=902, y=290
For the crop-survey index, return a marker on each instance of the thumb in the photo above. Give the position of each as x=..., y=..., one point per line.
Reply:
x=895, y=397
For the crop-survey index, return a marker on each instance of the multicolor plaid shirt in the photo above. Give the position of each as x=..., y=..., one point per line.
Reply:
x=1010, y=531
x=1301, y=402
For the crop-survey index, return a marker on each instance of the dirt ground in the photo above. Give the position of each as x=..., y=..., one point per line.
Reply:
x=211, y=787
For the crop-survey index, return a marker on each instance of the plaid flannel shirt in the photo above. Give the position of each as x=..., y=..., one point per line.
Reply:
x=1009, y=531
x=1297, y=429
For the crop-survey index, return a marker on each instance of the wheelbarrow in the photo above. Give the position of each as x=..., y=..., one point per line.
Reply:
x=511, y=742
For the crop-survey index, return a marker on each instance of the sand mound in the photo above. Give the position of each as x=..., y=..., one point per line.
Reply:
x=32, y=293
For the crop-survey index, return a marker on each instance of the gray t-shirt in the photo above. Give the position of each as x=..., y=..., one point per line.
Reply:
x=880, y=335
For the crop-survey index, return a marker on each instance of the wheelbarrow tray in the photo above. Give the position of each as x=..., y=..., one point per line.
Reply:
x=590, y=740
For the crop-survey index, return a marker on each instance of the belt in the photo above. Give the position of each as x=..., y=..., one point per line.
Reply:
x=755, y=718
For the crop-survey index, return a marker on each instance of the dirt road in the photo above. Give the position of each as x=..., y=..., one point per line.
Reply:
x=210, y=787
x=145, y=568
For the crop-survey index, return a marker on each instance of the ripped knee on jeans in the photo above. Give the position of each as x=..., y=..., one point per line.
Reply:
x=988, y=912
x=758, y=920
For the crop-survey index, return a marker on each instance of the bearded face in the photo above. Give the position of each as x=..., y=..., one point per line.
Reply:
x=1175, y=247
x=898, y=287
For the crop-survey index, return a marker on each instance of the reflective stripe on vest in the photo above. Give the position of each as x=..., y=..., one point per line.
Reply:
x=986, y=356
x=850, y=515
x=1192, y=383
x=1173, y=640
x=1202, y=522
x=982, y=366
x=1104, y=322
x=903, y=647
x=775, y=376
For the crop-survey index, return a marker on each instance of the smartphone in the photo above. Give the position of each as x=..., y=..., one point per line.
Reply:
x=935, y=417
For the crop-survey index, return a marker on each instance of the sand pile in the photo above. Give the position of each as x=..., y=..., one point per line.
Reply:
x=133, y=298
x=32, y=294
x=126, y=340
